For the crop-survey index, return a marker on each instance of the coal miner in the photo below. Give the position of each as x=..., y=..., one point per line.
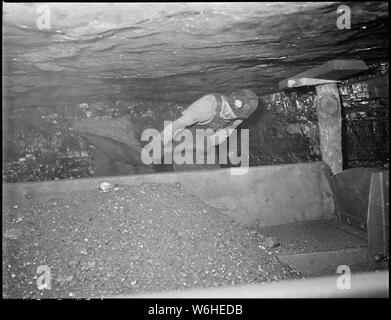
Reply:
x=218, y=112
x=117, y=143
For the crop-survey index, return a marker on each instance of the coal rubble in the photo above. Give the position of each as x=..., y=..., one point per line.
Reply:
x=133, y=239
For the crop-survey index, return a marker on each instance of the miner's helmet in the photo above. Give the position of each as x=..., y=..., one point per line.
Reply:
x=243, y=103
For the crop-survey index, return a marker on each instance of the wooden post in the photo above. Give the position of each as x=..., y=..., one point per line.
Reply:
x=328, y=108
x=324, y=78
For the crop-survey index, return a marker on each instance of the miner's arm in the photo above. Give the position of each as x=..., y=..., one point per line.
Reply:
x=176, y=127
x=200, y=111
x=221, y=135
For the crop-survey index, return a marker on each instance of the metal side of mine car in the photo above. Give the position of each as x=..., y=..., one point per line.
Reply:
x=266, y=195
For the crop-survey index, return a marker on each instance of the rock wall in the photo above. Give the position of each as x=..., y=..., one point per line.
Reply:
x=366, y=119
x=38, y=144
x=286, y=130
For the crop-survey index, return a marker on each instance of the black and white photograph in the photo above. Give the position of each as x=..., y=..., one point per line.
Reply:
x=195, y=150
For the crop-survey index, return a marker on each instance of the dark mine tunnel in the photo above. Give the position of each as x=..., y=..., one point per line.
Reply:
x=195, y=149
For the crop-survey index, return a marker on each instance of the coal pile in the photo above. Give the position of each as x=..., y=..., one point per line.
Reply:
x=133, y=239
